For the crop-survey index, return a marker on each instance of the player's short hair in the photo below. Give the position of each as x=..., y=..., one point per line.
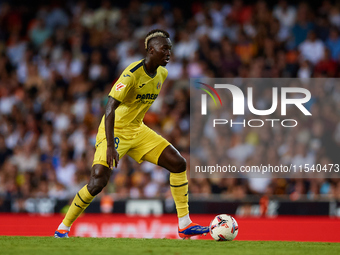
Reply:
x=153, y=34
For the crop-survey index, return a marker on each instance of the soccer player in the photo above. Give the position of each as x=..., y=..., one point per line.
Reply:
x=122, y=131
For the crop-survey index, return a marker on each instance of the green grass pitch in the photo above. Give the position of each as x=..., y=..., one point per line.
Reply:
x=82, y=246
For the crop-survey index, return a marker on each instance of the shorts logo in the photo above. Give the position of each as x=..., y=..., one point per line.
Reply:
x=120, y=86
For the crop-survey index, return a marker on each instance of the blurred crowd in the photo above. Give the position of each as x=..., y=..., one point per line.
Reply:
x=58, y=63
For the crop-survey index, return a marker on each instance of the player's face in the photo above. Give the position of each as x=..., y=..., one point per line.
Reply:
x=162, y=51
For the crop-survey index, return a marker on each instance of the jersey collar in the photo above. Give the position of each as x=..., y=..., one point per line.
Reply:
x=151, y=76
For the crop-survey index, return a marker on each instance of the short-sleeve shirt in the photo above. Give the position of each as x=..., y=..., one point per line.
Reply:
x=136, y=90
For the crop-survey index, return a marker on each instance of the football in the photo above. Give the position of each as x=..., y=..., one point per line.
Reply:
x=223, y=228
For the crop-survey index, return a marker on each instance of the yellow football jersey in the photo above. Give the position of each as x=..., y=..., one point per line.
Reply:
x=136, y=90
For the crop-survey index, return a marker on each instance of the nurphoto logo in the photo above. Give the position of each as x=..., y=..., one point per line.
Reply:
x=238, y=104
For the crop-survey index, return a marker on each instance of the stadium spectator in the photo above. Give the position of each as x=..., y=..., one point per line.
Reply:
x=312, y=49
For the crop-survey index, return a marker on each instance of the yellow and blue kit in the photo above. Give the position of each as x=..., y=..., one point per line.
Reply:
x=136, y=90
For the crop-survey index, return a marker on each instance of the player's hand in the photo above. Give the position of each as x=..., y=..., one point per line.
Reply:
x=112, y=156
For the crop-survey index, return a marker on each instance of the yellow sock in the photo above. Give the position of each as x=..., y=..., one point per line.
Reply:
x=80, y=202
x=179, y=191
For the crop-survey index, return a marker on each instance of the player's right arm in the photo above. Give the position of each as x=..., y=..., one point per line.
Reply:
x=111, y=152
x=121, y=91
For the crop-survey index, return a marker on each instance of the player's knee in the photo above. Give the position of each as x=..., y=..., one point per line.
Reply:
x=96, y=185
x=180, y=165
x=98, y=181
